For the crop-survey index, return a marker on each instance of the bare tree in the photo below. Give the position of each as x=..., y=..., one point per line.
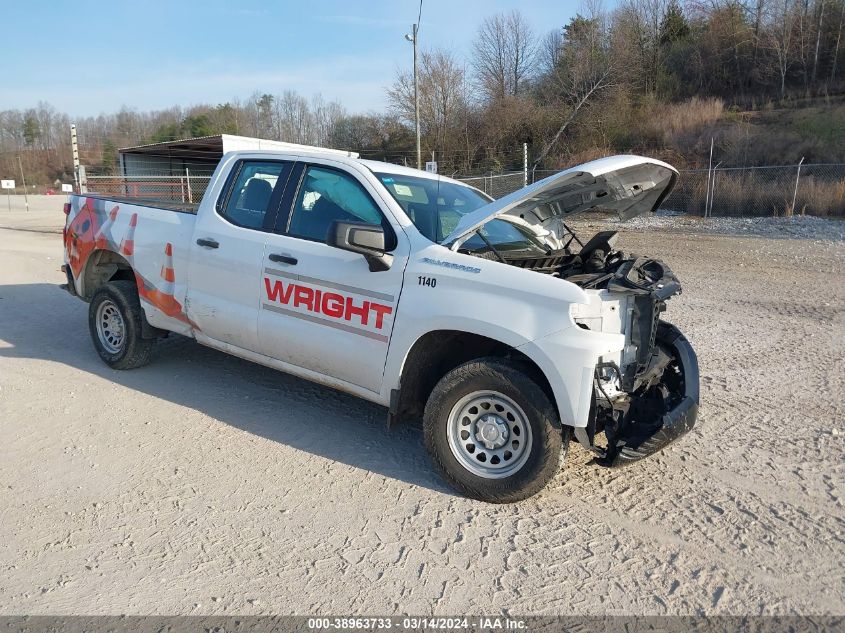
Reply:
x=504, y=53
x=642, y=22
x=781, y=36
x=838, y=39
x=325, y=119
x=444, y=96
x=293, y=117
x=11, y=130
x=549, y=52
x=759, y=12
x=803, y=39
x=821, y=4
x=583, y=69
x=590, y=90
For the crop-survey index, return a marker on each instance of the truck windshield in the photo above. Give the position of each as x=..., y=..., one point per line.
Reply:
x=434, y=206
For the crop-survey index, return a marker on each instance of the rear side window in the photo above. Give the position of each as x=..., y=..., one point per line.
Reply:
x=327, y=195
x=248, y=198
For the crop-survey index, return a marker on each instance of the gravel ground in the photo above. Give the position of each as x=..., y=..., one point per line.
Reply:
x=800, y=226
x=203, y=484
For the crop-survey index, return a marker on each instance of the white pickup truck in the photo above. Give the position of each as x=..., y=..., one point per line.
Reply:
x=489, y=319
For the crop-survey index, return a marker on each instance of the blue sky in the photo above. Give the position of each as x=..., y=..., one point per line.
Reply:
x=88, y=57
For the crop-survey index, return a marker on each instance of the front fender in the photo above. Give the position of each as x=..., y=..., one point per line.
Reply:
x=444, y=290
x=568, y=359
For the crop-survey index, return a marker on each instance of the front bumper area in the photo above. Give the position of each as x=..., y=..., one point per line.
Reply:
x=633, y=442
x=568, y=359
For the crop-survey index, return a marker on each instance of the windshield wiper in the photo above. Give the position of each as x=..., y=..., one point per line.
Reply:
x=490, y=245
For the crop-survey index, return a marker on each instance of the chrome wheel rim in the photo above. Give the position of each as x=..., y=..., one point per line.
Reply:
x=489, y=434
x=111, y=330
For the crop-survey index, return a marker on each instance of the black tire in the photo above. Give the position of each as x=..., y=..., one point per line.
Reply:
x=134, y=351
x=548, y=438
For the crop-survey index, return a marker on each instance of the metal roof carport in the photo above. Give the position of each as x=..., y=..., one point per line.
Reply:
x=198, y=155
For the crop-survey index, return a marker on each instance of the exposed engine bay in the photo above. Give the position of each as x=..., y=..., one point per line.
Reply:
x=643, y=396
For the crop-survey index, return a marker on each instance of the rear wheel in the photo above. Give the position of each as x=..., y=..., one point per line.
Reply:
x=492, y=432
x=115, y=321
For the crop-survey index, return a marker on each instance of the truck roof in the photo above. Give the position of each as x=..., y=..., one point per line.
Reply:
x=401, y=170
x=351, y=157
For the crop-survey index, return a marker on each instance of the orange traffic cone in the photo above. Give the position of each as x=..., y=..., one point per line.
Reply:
x=101, y=239
x=163, y=296
x=167, y=272
x=127, y=244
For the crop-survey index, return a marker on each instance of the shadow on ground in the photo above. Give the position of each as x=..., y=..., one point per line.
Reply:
x=40, y=321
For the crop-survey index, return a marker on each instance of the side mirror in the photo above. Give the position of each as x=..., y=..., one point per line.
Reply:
x=360, y=237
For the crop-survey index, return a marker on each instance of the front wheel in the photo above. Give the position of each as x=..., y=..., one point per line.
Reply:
x=492, y=432
x=115, y=321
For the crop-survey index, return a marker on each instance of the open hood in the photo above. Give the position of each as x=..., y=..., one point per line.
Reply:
x=631, y=185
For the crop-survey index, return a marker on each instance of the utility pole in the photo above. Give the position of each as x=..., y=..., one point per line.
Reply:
x=23, y=178
x=413, y=39
x=74, y=145
x=525, y=164
x=415, y=29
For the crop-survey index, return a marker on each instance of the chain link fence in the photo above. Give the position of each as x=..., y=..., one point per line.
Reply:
x=497, y=185
x=817, y=189
x=187, y=189
x=761, y=191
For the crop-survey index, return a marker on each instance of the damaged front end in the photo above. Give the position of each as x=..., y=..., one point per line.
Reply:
x=662, y=408
x=647, y=396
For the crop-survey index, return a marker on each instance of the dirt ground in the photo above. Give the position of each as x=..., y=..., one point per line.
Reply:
x=203, y=484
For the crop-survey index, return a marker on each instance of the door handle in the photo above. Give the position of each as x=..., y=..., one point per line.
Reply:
x=284, y=259
x=208, y=242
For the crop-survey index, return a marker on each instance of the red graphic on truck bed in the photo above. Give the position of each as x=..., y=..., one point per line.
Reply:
x=91, y=230
x=81, y=234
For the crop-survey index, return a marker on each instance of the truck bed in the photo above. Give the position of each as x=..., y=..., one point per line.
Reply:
x=153, y=237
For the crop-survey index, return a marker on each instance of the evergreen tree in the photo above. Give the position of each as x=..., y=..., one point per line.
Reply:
x=31, y=129
x=674, y=26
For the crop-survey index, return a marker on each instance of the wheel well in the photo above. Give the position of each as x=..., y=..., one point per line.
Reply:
x=437, y=353
x=103, y=267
